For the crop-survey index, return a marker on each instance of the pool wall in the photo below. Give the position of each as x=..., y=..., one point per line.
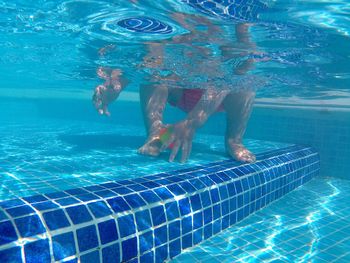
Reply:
x=151, y=218
x=327, y=129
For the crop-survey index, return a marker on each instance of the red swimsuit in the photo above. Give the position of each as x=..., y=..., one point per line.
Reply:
x=189, y=100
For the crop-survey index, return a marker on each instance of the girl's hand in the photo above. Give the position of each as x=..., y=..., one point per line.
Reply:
x=181, y=137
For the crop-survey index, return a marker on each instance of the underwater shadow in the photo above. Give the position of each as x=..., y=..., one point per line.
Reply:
x=102, y=141
x=87, y=142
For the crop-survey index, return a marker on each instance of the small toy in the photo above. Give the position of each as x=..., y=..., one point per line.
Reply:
x=164, y=136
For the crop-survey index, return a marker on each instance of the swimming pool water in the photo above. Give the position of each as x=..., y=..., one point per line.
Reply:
x=52, y=140
x=309, y=225
x=305, y=43
x=151, y=218
x=39, y=159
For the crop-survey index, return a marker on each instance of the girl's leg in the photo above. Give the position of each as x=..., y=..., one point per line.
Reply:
x=238, y=107
x=153, y=100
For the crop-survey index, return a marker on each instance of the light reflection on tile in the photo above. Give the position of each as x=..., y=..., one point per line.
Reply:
x=311, y=224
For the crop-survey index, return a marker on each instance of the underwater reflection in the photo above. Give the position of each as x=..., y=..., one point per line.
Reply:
x=202, y=72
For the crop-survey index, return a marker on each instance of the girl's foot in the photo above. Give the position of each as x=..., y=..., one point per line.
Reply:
x=239, y=152
x=151, y=147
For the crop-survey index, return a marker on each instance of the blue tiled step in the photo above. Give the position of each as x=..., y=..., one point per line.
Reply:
x=148, y=219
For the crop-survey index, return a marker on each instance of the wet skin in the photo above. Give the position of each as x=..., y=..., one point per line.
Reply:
x=153, y=99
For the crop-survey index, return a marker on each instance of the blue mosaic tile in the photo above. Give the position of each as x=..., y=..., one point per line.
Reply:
x=158, y=215
x=196, y=202
x=129, y=249
x=111, y=254
x=105, y=193
x=230, y=173
x=92, y=257
x=93, y=188
x=150, y=177
x=214, y=194
x=56, y=195
x=245, y=184
x=175, y=179
x=63, y=245
x=238, y=187
x=3, y=216
x=87, y=238
x=137, y=187
x=184, y=205
x=186, y=241
x=35, y=198
x=175, y=248
x=45, y=205
x=202, y=170
x=172, y=211
x=161, y=253
x=8, y=233
x=197, y=220
x=207, y=181
x=20, y=211
x=56, y=219
x=29, y=226
x=11, y=203
x=99, y=209
x=143, y=220
x=118, y=204
x=208, y=215
x=148, y=257
x=225, y=222
x=160, y=235
x=67, y=201
x=205, y=197
x=78, y=214
x=87, y=197
x=215, y=178
x=186, y=225
x=123, y=182
x=126, y=225
x=240, y=214
x=146, y=242
x=150, y=197
x=33, y=249
x=176, y=189
x=121, y=190
x=150, y=185
x=141, y=179
x=134, y=200
x=163, y=181
x=223, y=176
x=197, y=236
x=223, y=192
x=216, y=227
x=108, y=231
x=11, y=255
x=214, y=209
x=188, y=187
x=163, y=193
x=174, y=230
x=76, y=191
x=208, y=231
x=225, y=208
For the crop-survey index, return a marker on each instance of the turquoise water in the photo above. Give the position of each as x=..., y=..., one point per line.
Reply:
x=54, y=44
x=309, y=225
x=37, y=159
x=295, y=56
